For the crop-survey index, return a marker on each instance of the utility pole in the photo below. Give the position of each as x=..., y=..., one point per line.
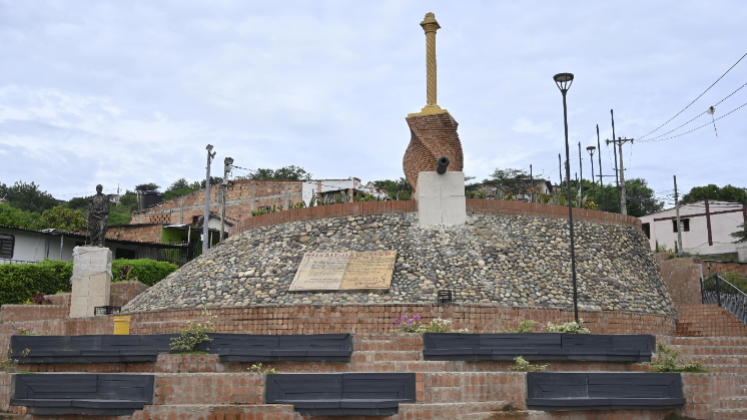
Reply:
x=581, y=170
x=227, y=162
x=623, y=196
x=601, y=177
x=206, y=219
x=591, y=150
x=612, y=113
x=677, y=206
x=623, y=200
x=531, y=180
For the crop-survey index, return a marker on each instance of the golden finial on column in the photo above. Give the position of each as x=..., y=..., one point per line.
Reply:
x=430, y=26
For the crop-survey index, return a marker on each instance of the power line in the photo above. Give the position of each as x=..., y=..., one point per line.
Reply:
x=694, y=129
x=699, y=96
x=700, y=115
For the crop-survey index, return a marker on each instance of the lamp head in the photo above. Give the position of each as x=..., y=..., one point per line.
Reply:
x=564, y=81
x=591, y=149
x=209, y=148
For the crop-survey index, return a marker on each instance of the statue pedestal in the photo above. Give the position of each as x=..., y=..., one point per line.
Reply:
x=92, y=276
x=441, y=199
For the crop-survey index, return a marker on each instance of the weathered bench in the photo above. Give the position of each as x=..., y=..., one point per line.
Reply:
x=82, y=394
x=345, y=394
x=603, y=391
x=538, y=346
x=89, y=348
x=275, y=348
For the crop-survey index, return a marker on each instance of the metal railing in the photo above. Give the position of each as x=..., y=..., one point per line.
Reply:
x=715, y=289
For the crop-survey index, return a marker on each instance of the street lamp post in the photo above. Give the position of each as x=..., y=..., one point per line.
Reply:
x=591, y=150
x=564, y=82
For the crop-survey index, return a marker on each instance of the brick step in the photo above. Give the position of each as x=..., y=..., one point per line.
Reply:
x=733, y=402
x=364, y=361
x=737, y=369
x=388, y=342
x=373, y=356
x=213, y=411
x=715, y=351
x=704, y=341
x=708, y=321
x=730, y=413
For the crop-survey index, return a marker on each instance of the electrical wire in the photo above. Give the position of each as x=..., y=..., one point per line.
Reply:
x=699, y=115
x=694, y=129
x=699, y=96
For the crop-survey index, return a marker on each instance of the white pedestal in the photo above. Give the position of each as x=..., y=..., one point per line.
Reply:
x=441, y=200
x=92, y=268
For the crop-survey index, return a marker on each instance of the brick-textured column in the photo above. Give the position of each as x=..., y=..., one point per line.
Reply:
x=432, y=136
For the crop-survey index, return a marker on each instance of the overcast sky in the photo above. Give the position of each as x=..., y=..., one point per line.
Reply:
x=128, y=92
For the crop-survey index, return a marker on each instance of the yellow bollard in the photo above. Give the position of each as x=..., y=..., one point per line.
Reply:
x=121, y=325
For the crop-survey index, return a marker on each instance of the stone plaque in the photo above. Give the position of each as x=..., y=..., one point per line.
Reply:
x=344, y=271
x=369, y=270
x=320, y=271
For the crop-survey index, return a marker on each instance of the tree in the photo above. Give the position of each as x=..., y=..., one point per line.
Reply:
x=287, y=173
x=180, y=187
x=13, y=217
x=119, y=215
x=740, y=235
x=27, y=197
x=149, y=187
x=63, y=218
x=511, y=181
x=713, y=192
x=79, y=203
x=398, y=189
x=214, y=180
x=128, y=200
x=641, y=200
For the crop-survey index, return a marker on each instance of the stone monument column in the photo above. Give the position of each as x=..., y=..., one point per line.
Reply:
x=92, y=265
x=92, y=277
x=433, y=131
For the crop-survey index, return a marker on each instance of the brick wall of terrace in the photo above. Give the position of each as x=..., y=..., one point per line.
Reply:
x=357, y=319
x=244, y=197
x=723, y=267
x=120, y=294
x=136, y=233
x=473, y=206
x=682, y=277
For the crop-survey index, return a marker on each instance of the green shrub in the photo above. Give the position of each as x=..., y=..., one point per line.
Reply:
x=20, y=282
x=192, y=335
x=148, y=272
x=668, y=360
x=525, y=366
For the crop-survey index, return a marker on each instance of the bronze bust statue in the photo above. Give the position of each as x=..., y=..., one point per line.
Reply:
x=98, y=217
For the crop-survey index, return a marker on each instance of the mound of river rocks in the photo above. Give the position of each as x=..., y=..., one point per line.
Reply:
x=493, y=259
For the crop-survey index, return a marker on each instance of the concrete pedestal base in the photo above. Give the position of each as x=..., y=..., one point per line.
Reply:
x=441, y=200
x=92, y=268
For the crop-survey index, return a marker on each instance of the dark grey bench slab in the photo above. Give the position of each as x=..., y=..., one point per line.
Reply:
x=548, y=391
x=82, y=394
x=342, y=394
x=276, y=348
x=89, y=348
x=538, y=346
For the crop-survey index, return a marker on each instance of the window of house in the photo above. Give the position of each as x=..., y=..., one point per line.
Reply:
x=647, y=229
x=7, y=243
x=685, y=225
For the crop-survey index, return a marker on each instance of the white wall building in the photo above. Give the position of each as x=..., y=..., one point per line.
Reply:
x=706, y=229
x=19, y=245
x=351, y=186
